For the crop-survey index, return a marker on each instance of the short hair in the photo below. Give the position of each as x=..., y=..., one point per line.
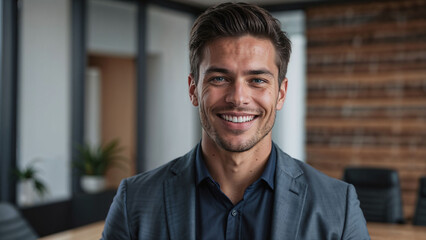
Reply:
x=235, y=20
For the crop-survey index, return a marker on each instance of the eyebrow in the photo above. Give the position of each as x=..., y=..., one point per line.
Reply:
x=259, y=72
x=248, y=72
x=216, y=70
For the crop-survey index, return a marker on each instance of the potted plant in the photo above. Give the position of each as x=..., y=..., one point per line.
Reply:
x=29, y=185
x=93, y=162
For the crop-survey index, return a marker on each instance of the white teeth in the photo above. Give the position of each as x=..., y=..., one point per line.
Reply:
x=239, y=119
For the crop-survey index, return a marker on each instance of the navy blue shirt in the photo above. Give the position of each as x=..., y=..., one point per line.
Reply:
x=219, y=218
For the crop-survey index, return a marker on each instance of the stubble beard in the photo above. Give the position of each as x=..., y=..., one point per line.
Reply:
x=227, y=145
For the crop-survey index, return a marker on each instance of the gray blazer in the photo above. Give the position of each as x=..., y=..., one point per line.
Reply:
x=161, y=204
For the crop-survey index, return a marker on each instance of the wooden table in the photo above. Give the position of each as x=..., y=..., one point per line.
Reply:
x=386, y=231
x=89, y=232
x=378, y=231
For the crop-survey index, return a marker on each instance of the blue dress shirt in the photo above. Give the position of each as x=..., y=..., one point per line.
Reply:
x=219, y=218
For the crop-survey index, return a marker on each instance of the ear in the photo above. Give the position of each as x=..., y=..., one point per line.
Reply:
x=282, y=93
x=193, y=94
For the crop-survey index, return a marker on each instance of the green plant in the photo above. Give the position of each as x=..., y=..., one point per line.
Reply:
x=94, y=161
x=29, y=172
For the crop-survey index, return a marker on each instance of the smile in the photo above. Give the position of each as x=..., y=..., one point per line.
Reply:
x=237, y=119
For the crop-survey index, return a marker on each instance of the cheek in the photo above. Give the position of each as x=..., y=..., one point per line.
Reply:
x=267, y=100
x=210, y=96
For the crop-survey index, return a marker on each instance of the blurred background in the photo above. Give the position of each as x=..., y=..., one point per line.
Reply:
x=98, y=89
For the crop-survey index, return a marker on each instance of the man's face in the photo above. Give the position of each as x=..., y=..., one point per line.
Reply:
x=237, y=92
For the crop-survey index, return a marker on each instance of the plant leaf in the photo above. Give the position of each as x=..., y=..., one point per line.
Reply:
x=40, y=187
x=96, y=160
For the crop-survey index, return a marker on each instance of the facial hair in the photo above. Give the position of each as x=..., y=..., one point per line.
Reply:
x=227, y=145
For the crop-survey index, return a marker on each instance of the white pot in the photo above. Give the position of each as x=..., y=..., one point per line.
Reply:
x=92, y=184
x=27, y=195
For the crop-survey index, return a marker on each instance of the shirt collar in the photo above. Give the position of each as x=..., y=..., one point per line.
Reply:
x=202, y=173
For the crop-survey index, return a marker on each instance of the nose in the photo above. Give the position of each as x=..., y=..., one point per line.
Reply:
x=238, y=94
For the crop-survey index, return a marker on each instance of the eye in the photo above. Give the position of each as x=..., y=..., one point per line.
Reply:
x=218, y=80
x=258, y=81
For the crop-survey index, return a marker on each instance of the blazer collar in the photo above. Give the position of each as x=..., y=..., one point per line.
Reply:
x=179, y=199
x=289, y=197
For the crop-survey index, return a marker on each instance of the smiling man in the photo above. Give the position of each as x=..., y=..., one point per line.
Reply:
x=236, y=184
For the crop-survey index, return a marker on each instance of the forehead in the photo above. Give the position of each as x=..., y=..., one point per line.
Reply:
x=239, y=50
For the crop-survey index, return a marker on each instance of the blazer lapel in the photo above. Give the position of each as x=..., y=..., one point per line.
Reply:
x=289, y=198
x=179, y=199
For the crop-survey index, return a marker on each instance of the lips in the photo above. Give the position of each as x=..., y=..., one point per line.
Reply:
x=237, y=119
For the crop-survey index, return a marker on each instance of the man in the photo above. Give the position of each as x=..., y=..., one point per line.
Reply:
x=236, y=184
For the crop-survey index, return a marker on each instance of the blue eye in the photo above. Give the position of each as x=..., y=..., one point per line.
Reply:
x=218, y=79
x=257, y=80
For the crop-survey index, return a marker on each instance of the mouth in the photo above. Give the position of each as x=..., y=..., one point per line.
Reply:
x=237, y=119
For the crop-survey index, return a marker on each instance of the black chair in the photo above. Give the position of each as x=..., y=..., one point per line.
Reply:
x=12, y=225
x=420, y=214
x=379, y=193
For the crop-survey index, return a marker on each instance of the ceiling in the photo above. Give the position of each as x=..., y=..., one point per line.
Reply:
x=208, y=3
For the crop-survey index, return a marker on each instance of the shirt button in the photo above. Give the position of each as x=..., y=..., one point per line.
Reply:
x=234, y=213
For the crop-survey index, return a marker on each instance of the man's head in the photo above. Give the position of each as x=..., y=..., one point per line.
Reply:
x=235, y=20
x=239, y=59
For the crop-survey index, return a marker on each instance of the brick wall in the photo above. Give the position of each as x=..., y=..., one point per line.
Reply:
x=367, y=89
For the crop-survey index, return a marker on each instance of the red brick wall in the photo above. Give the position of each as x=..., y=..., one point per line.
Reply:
x=367, y=89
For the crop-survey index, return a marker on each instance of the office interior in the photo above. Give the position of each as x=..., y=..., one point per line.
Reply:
x=76, y=72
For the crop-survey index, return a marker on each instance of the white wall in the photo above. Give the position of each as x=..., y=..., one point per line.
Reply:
x=112, y=27
x=92, y=111
x=289, y=130
x=44, y=92
x=172, y=123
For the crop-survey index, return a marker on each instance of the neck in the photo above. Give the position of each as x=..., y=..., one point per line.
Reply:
x=235, y=171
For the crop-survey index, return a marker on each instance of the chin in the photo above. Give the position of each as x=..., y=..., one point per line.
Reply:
x=236, y=146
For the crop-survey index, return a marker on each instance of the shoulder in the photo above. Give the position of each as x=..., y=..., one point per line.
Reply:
x=330, y=206
x=151, y=178
x=152, y=181
x=143, y=194
x=320, y=180
x=323, y=193
x=303, y=172
x=139, y=201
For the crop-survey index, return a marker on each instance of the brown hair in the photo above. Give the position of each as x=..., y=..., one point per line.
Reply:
x=234, y=20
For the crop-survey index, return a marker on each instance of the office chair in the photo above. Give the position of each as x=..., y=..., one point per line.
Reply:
x=420, y=214
x=12, y=225
x=379, y=193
